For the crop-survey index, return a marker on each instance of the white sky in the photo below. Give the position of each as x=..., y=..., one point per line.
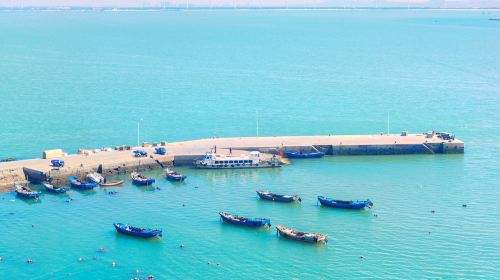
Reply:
x=256, y=3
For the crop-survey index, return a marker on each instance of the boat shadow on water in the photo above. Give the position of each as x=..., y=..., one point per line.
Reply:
x=277, y=203
x=29, y=201
x=84, y=192
x=290, y=242
x=237, y=228
x=125, y=237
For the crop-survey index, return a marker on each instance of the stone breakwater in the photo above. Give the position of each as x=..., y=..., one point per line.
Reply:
x=111, y=162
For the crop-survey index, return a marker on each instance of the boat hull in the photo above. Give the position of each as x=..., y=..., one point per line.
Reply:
x=145, y=182
x=200, y=166
x=258, y=222
x=28, y=195
x=148, y=233
x=285, y=199
x=75, y=183
x=26, y=192
x=50, y=188
x=307, y=237
x=356, y=205
x=176, y=178
x=110, y=184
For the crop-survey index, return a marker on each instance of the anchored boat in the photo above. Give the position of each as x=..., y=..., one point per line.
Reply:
x=78, y=184
x=278, y=197
x=346, y=204
x=95, y=177
x=251, y=160
x=175, y=176
x=304, y=155
x=301, y=236
x=111, y=184
x=242, y=221
x=54, y=188
x=139, y=232
x=141, y=180
x=26, y=192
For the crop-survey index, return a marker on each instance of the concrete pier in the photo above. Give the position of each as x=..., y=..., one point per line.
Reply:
x=183, y=153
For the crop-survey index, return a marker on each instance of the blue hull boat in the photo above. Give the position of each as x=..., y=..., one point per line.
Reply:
x=345, y=204
x=139, y=232
x=77, y=184
x=54, y=189
x=242, y=221
x=175, y=176
x=141, y=180
x=304, y=155
x=278, y=197
x=26, y=192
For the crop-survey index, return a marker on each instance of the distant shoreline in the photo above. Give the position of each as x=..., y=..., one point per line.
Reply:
x=203, y=8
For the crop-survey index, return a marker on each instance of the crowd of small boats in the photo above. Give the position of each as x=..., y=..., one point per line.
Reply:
x=91, y=181
x=291, y=233
x=95, y=179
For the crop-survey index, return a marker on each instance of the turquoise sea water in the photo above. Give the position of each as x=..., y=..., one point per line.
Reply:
x=83, y=79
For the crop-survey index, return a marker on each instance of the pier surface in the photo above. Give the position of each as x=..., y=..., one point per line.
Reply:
x=183, y=153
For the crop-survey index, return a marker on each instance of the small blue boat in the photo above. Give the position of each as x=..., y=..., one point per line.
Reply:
x=54, y=188
x=346, y=204
x=26, y=192
x=78, y=184
x=175, y=176
x=304, y=155
x=139, y=232
x=278, y=197
x=141, y=180
x=242, y=221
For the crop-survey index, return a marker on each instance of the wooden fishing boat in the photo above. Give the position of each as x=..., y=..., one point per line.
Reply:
x=111, y=184
x=54, y=188
x=175, y=176
x=346, y=204
x=95, y=177
x=26, y=192
x=304, y=155
x=278, y=197
x=139, y=232
x=141, y=180
x=301, y=236
x=242, y=221
x=78, y=184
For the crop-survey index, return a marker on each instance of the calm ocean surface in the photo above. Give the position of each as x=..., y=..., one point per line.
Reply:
x=83, y=79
